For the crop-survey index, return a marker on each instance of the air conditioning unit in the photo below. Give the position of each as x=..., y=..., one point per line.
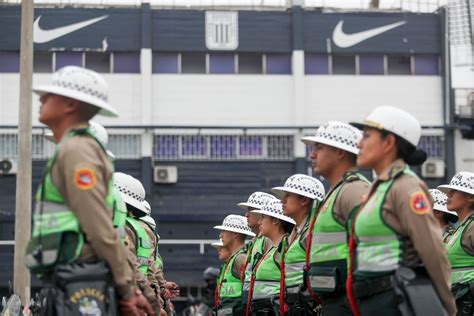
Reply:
x=433, y=168
x=8, y=166
x=165, y=174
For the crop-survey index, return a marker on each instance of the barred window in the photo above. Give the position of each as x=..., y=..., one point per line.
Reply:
x=223, y=147
x=8, y=145
x=41, y=149
x=125, y=146
x=250, y=146
x=194, y=147
x=433, y=146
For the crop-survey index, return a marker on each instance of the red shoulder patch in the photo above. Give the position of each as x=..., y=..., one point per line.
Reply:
x=85, y=178
x=419, y=203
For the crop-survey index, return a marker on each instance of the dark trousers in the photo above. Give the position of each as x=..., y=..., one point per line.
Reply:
x=384, y=303
x=336, y=306
x=465, y=305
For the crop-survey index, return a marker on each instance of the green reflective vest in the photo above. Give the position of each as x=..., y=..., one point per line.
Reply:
x=230, y=289
x=142, y=244
x=254, y=251
x=462, y=263
x=57, y=237
x=295, y=261
x=120, y=214
x=266, y=276
x=329, y=249
x=378, y=247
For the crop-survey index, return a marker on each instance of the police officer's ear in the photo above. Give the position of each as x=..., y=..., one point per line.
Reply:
x=305, y=201
x=389, y=142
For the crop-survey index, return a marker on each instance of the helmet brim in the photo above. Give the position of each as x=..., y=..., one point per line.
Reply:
x=105, y=108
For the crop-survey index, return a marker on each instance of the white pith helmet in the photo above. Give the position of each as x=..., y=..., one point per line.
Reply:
x=236, y=224
x=149, y=221
x=463, y=181
x=336, y=134
x=274, y=209
x=132, y=192
x=394, y=120
x=102, y=136
x=80, y=84
x=217, y=244
x=440, y=201
x=256, y=200
x=301, y=184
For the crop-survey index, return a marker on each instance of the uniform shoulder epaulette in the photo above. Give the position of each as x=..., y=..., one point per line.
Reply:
x=350, y=176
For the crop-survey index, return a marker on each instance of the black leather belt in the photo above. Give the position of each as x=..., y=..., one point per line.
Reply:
x=371, y=287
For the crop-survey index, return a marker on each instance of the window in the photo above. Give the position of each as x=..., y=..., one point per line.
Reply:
x=223, y=146
x=127, y=63
x=42, y=62
x=193, y=63
x=250, y=63
x=125, y=146
x=398, y=65
x=9, y=61
x=280, y=146
x=278, y=64
x=68, y=58
x=433, y=146
x=371, y=65
x=221, y=63
x=426, y=65
x=250, y=146
x=316, y=64
x=166, y=146
x=194, y=146
x=165, y=63
x=99, y=62
x=343, y=64
x=8, y=145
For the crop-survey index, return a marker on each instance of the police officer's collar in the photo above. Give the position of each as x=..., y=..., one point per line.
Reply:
x=81, y=127
x=393, y=170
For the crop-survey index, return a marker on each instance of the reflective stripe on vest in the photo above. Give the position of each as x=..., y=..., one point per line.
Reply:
x=57, y=237
x=462, y=263
x=378, y=247
x=295, y=261
x=267, y=276
x=142, y=244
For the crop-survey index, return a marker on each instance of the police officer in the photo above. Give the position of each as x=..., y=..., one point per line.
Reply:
x=298, y=195
x=224, y=255
x=137, y=240
x=445, y=217
x=76, y=188
x=234, y=230
x=461, y=245
x=395, y=241
x=259, y=244
x=266, y=277
x=333, y=156
x=167, y=290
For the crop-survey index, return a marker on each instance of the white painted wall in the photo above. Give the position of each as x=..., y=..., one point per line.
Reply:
x=464, y=153
x=240, y=100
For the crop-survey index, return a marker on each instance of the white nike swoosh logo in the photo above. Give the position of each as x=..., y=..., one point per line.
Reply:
x=344, y=40
x=43, y=36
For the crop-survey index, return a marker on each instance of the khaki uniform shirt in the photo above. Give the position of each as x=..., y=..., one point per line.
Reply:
x=79, y=156
x=349, y=197
x=141, y=280
x=239, y=263
x=467, y=239
x=421, y=227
